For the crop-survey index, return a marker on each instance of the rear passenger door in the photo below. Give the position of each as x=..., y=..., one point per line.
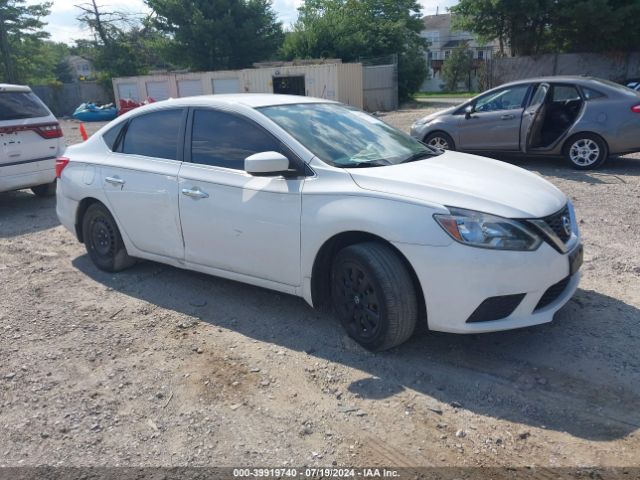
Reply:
x=231, y=220
x=140, y=179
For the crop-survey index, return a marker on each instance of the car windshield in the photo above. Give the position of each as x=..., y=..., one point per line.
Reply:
x=18, y=105
x=345, y=137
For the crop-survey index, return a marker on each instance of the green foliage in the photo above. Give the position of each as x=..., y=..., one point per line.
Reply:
x=531, y=27
x=457, y=68
x=596, y=25
x=352, y=29
x=217, y=34
x=21, y=40
x=122, y=46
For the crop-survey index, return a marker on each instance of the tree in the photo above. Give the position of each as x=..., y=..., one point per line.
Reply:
x=457, y=68
x=123, y=45
x=523, y=25
x=352, y=29
x=531, y=27
x=21, y=35
x=218, y=34
x=596, y=25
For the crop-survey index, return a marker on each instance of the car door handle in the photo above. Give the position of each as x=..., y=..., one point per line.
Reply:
x=194, y=193
x=114, y=181
x=508, y=117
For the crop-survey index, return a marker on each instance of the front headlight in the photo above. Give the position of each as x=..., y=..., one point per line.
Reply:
x=482, y=230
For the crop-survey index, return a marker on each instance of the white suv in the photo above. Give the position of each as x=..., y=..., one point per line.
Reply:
x=30, y=141
x=323, y=201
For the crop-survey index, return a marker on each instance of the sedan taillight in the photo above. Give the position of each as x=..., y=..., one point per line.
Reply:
x=61, y=162
x=636, y=108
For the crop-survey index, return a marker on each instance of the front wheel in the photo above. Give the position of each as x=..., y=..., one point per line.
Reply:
x=440, y=140
x=103, y=241
x=374, y=295
x=585, y=151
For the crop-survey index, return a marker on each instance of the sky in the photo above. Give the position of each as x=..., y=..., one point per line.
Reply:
x=63, y=26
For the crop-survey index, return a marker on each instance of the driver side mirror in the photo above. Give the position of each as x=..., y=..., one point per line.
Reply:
x=469, y=109
x=266, y=163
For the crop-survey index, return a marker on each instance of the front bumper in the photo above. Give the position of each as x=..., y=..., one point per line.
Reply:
x=457, y=279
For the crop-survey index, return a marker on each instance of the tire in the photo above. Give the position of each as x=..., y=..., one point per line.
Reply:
x=103, y=241
x=374, y=295
x=46, y=190
x=585, y=151
x=434, y=139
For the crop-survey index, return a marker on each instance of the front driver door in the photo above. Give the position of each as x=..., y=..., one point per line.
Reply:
x=231, y=220
x=495, y=122
x=533, y=118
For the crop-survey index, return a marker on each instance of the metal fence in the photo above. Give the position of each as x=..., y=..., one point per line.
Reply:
x=62, y=100
x=615, y=67
x=380, y=83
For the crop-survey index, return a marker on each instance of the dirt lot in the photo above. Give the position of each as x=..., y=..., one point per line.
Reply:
x=159, y=366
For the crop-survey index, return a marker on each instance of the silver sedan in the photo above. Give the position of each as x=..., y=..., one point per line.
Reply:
x=580, y=118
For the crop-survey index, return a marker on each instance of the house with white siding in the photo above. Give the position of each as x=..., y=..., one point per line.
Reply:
x=443, y=40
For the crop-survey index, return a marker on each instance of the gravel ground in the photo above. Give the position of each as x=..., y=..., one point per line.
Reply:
x=160, y=366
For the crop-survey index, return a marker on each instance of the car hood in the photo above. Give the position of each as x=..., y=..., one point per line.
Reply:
x=466, y=181
x=437, y=114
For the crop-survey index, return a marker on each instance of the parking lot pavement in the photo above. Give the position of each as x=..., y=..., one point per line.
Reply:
x=160, y=366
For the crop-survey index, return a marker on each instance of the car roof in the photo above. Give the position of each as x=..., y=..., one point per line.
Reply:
x=610, y=88
x=7, y=87
x=577, y=79
x=252, y=100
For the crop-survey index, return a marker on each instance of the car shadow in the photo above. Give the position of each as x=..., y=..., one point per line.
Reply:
x=613, y=171
x=579, y=374
x=22, y=212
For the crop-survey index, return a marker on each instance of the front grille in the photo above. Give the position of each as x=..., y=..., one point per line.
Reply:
x=496, y=308
x=556, y=224
x=552, y=293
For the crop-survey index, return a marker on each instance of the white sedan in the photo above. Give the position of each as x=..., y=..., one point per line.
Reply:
x=320, y=200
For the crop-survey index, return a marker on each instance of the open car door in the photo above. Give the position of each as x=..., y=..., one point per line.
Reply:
x=533, y=118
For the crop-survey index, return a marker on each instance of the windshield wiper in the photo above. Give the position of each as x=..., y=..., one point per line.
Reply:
x=420, y=156
x=374, y=163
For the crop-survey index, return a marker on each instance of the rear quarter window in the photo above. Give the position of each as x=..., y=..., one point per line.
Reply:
x=112, y=136
x=20, y=105
x=591, y=94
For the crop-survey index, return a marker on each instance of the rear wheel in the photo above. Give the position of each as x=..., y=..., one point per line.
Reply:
x=440, y=140
x=585, y=151
x=374, y=295
x=46, y=190
x=103, y=241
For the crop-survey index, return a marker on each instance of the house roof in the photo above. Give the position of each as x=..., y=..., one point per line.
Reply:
x=437, y=22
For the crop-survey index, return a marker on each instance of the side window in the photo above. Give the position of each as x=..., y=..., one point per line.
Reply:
x=225, y=140
x=154, y=134
x=111, y=136
x=505, y=99
x=590, y=94
x=565, y=93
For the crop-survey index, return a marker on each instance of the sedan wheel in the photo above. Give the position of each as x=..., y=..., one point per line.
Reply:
x=440, y=140
x=586, y=151
x=374, y=295
x=103, y=240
